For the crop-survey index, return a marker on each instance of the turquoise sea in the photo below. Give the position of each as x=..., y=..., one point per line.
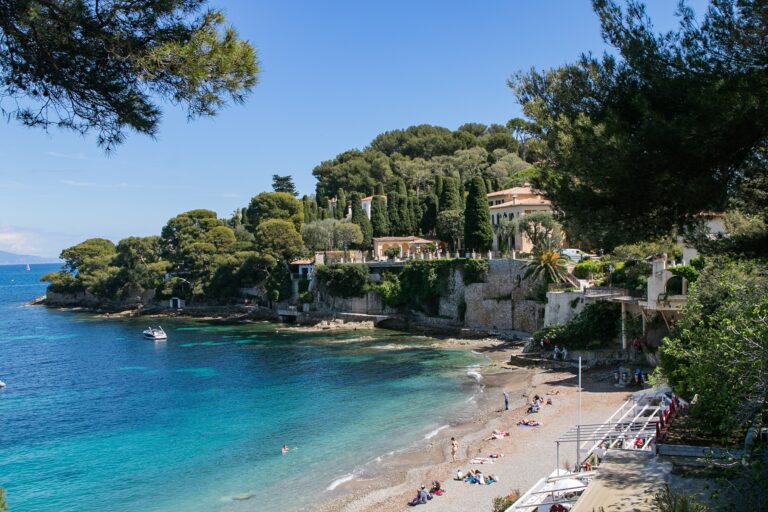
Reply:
x=94, y=417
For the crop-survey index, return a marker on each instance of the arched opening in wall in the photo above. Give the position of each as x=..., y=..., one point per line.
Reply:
x=674, y=286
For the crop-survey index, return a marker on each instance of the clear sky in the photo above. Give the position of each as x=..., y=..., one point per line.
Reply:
x=334, y=74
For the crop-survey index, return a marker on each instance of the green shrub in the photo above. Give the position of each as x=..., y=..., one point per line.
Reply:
x=633, y=275
x=391, y=292
x=502, y=503
x=392, y=252
x=588, y=268
x=475, y=271
x=306, y=297
x=668, y=501
x=688, y=272
x=343, y=279
x=598, y=324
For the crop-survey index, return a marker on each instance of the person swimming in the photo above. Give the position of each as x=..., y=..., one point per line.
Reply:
x=284, y=449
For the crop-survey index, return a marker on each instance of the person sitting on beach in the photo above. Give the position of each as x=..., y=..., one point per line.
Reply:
x=533, y=407
x=496, y=434
x=422, y=496
x=480, y=478
x=436, y=489
x=460, y=475
x=549, y=400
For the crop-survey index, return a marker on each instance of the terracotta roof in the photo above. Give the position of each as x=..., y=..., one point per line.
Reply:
x=367, y=198
x=524, y=202
x=513, y=191
x=411, y=239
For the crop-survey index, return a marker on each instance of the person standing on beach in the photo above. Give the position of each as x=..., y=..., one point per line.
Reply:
x=506, y=401
x=454, y=448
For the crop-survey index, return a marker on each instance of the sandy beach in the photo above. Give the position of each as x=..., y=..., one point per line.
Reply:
x=529, y=453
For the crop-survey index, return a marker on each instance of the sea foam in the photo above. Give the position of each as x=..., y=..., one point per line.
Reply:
x=435, y=432
x=339, y=481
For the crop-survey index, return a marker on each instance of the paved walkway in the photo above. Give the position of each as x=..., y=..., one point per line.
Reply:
x=626, y=481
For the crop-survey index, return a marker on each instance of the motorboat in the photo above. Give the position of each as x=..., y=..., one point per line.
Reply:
x=155, y=333
x=2, y=384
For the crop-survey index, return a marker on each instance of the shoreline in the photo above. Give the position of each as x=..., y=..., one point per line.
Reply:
x=529, y=452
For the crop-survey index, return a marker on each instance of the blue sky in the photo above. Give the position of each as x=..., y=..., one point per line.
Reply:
x=334, y=75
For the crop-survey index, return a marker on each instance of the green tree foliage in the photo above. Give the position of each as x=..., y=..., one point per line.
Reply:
x=450, y=199
x=347, y=234
x=478, y=235
x=541, y=228
x=632, y=274
x=643, y=139
x=275, y=205
x=230, y=272
x=719, y=348
x=450, y=227
x=394, y=216
x=87, y=267
x=361, y=219
x=182, y=235
x=278, y=238
x=343, y=279
x=598, y=324
x=140, y=264
x=340, y=211
x=475, y=270
x=417, y=159
x=284, y=184
x=107, y=66
x=429, y=214
x=379, y=217
x=319, y=235
x=648, y=248
x=507, y=230
x=547, y=265
x=310, y=209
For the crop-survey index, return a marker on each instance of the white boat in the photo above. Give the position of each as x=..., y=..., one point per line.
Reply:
x=155, y=333
x=2, y=384
x=28, y=269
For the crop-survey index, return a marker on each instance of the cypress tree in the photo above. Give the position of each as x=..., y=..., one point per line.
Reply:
x=450, y=200
x=414, y=209
x=462, y=194
x=429, y=215
x=438, y=185
x=393, y=213
x=361, y=219
x=379, y=189
x=406, y=222
x=478, y=234
x=379, y=220
x=488, y=185
x=401, y=187
x=341, y=205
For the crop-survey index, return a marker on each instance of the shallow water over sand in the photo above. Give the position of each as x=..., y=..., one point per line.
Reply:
x=95, y=417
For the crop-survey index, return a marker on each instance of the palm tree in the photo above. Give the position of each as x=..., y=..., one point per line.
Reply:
x=506, y=229
x=548, y=264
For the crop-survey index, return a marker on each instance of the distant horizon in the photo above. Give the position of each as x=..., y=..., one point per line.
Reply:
x=333, y=78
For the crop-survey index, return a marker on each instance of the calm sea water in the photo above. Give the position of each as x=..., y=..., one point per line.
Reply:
x=94, y=417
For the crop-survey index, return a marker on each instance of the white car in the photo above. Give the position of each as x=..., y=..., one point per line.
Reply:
x=575, y=254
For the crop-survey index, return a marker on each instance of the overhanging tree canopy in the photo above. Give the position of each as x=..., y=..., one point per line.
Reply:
x=102, y=66
x=677, y=124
